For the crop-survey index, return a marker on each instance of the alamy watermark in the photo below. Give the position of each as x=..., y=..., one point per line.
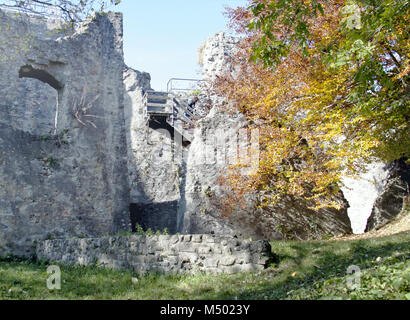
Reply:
x=219, y=149
x=54, y=279
x=353, y=277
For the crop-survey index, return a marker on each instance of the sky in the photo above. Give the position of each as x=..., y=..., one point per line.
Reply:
x=162, y=37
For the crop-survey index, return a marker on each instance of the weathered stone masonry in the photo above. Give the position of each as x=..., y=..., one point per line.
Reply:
x=163, y=254
x=74, y=182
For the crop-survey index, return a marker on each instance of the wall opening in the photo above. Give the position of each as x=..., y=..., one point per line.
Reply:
x=28, y=71
x=154, y=216
x=135, y=216
x=38, y=98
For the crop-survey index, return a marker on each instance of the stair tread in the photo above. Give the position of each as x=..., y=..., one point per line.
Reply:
x=157, y=103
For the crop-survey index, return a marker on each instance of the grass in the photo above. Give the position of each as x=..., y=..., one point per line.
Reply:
x=305, y=270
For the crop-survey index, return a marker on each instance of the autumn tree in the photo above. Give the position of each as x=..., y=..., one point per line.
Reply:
x=371, y=40
x=326, y=83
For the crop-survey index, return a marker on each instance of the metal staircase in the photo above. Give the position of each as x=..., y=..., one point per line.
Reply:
x=175, y=111
x=157, y=104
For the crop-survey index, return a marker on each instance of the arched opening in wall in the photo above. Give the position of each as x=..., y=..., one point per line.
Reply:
x=38, y=99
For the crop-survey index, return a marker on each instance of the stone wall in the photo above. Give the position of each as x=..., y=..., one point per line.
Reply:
x=164, y=254
x=63, y=175
x=155, y=162
x=215, y=55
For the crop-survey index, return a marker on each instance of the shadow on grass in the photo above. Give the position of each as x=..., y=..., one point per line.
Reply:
x=23, y=280
x=321, y=261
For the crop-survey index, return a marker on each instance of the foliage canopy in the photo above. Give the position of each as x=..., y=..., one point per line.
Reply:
x=326, y=82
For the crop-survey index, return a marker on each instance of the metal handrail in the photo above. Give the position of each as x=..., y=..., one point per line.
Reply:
x=180, y=114
x=181, y=79
x=185, y=108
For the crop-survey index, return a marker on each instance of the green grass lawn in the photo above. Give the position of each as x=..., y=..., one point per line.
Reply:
x=305, y=270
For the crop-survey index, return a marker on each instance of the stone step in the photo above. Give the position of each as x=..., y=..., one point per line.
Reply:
x=161, y=105
x=158, y=100
x=157, y=94
x=158, y=109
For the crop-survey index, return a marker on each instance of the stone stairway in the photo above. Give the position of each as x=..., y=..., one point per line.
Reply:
x=175, y=110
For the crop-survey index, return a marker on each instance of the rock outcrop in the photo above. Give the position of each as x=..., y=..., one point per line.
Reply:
x=217, y=136
x=215, y=55
x=392, y=199
x=216, y=142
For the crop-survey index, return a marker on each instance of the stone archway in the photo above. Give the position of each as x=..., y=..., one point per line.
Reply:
x=28, y=71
